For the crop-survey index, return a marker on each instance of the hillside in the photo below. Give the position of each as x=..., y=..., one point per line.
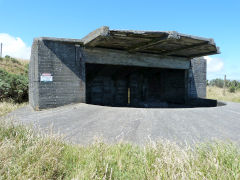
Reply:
x=13, y=80
x=14, y=66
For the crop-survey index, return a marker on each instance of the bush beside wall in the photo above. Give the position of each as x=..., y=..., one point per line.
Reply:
x=13, y=80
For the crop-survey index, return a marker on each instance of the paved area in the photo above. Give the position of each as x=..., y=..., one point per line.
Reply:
x=80, y=123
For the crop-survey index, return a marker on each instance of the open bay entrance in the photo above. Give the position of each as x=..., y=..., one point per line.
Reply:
x=115, y=85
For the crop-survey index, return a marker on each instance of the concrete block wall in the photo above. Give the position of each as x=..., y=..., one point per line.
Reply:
x=197, y=78
x=33, y=76
x=64, y=62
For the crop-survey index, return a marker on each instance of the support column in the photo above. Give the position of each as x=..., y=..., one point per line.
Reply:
x=80, y=62
x=186, y=81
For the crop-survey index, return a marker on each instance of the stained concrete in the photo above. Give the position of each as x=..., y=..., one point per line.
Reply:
x=63, y=62
x=80, y=123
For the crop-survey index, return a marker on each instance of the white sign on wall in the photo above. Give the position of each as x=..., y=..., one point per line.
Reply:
x=46, y=77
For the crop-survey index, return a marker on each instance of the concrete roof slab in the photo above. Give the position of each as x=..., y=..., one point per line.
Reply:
x=168, y=43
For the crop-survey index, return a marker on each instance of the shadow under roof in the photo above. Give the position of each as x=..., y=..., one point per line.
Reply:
x=166, y=43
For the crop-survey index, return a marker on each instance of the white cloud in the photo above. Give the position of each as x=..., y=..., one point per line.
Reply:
x=14, y=47
x=214, y=64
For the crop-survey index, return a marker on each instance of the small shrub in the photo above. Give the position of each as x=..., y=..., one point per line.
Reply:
x=13, y=86
x=7, y=57
x=217, y=82
x=232, y=89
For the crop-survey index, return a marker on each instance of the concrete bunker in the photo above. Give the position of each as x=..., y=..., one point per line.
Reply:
x=120, y=68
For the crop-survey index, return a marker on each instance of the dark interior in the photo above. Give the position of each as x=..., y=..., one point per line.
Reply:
x=131, y=86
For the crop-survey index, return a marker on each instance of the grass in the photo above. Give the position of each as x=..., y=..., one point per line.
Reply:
x=27, y=155
x=217, y=93
x=6, y=107
x=14, y=66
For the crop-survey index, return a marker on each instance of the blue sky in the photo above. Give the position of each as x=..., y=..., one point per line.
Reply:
x=22, y=20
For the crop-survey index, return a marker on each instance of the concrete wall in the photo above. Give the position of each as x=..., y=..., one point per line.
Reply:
x=64, y=62
x=33, y=76
x=119, y=57
x=197, y=78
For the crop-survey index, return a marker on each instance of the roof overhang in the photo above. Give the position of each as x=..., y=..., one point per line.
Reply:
x=166, y=43
x=63, y=40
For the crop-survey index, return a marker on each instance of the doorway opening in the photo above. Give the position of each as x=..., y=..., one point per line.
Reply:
x=131, y=86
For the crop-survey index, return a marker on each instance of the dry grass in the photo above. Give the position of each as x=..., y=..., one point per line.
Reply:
x=217, y=93
x=23, y=61
x=14, y=66
x=6, y=107
x=27, y=155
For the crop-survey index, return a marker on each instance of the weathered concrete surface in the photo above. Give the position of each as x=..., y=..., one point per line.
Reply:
x=64, y=61
x=158, y=42
x=81, y=122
